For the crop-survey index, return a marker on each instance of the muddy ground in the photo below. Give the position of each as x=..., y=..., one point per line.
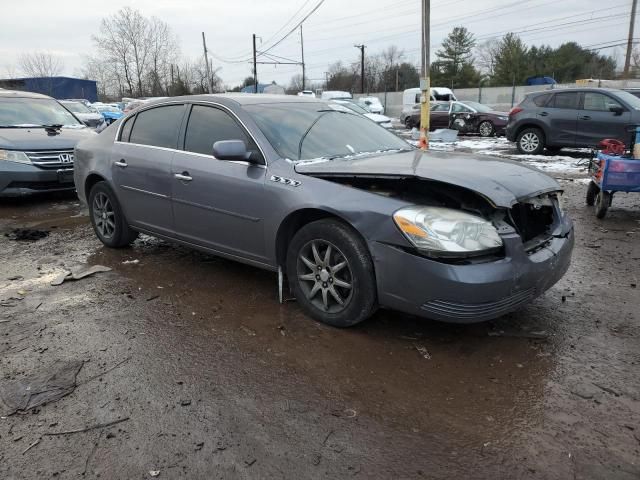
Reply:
x=214, y=379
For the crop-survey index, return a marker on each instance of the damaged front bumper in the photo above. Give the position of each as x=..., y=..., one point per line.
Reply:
x=473, y=292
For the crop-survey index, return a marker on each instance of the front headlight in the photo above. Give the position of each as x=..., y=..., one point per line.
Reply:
x=504, y=119
x=14, y=156
x=444, y=230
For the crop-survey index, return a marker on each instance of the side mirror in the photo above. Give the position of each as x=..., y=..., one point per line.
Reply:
x=231, y=150
x=617, y=110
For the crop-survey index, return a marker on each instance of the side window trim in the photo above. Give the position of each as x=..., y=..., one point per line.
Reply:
x=180, y=104
x=131, y=119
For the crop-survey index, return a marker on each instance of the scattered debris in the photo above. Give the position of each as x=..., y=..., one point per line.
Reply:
x=607, y=389
x=327, y=437
x=154, y=473
x=185, y=403
x=248, y=331
x=539, y=335
x=48, y=386
x=107, y=370
x=31, y=446
x=282, y=330
x=131, y=262
x=250, y=462
x=92, y=452
x=152, y=297
x=86, y=429
x=351, y=413
x=199, y=446
x=26, y=234
x=79, y=275
x=15, y=277
x=424, y=352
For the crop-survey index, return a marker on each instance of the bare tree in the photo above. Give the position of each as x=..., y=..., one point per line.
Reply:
x=485, y=56
x=40, y=64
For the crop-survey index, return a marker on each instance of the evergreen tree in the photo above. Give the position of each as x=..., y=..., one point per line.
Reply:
x=454, y=65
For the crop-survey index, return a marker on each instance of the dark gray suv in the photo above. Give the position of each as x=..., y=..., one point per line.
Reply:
x=579, y=117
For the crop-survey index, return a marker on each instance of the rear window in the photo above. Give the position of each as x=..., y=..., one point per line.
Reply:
x=158, y=127
x=541, y=100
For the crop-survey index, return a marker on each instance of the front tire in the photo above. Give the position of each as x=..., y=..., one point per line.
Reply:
x=530, y=141
x=107, y=218
x=603, y=202
x=331, y=273
x=486, y=129
x=592, y=192
x=408, y=123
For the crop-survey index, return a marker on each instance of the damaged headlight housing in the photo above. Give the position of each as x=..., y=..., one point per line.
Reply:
x=14, y=156
x=444, y=231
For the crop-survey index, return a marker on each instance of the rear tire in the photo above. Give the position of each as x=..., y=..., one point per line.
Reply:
x=107, y=218
x=486, y=129
x=592, y=192
x=408, y=123
x=530, y=141
x=603, y=202
x=331, y=273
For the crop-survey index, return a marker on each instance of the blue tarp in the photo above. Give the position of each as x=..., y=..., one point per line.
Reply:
x=541, y=81
x=56, y=87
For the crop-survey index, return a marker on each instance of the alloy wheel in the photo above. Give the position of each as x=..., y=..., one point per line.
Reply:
x=103, y=215
x=325, y=276
x=529, y=142
x=486, y=129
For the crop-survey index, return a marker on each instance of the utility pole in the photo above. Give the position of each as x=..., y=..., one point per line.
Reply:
x=424, y=77
x=326, y=80
x=361, y=47
x=255, y=66
x=632, y=21
x=302, y=48
x=206, y=63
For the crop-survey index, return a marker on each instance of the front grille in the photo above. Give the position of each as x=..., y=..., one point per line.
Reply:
x=93, y=123
x=478, y=311
x=51, y=159
x=532, y=220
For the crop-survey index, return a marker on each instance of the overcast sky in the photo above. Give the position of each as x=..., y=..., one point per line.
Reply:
x=65, y=28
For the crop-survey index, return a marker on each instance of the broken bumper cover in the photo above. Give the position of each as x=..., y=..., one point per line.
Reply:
x=469, y=293
x=17, y=179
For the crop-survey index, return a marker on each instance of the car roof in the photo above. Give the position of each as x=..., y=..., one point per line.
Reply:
x=240, y=99
x=20, y=94
x=577, y=89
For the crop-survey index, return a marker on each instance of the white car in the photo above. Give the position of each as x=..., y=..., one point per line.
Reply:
x=307, y=93
x=372, y=104
x=335, y=94
x=381, y=120
x=87, y=115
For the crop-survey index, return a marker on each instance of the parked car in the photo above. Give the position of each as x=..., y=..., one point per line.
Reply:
x=438, y=116
x=350, y=215
x=91, y=118
x=576, y=117
x=381, y=120
x=37, y=136
x=411, y=96
x=372, y=104
x=473, y=117
x=333, y=94
x=307, y=93
x=109, y=112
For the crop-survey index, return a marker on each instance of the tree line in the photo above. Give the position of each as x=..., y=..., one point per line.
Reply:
x=462, y=62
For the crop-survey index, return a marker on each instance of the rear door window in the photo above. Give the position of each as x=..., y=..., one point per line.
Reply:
x=158, y=126
x=125, y=131
x=566, y=100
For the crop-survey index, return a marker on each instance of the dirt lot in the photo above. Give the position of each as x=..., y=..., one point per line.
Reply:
x=212, y=378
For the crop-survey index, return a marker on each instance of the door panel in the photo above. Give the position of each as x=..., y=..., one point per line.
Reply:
x=596, y=122
x=561, y=115
x=141, y=166
x=222, y=206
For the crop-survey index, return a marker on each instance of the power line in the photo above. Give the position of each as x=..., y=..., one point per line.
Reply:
x=296, y=27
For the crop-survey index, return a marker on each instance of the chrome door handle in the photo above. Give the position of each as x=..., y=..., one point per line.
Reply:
x=184, y=176
x=121, y=164
x=585, y=117
x=544, y=114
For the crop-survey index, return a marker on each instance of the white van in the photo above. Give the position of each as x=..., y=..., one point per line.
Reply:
x=411, y=96
x=333, y=94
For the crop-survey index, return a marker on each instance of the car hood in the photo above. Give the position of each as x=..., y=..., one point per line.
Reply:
x=39, y=139
x=503, y=182
x=376, y=117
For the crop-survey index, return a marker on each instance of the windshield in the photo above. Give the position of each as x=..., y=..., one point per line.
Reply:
x=478, y=106
x=34, y=112
x=76, y=107
x=307, y=131
x=630, y=99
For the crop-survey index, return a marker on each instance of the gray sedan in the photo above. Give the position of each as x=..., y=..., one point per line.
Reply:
x=350, y=216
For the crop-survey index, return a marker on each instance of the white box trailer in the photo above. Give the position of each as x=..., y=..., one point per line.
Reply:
x=411, y=96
